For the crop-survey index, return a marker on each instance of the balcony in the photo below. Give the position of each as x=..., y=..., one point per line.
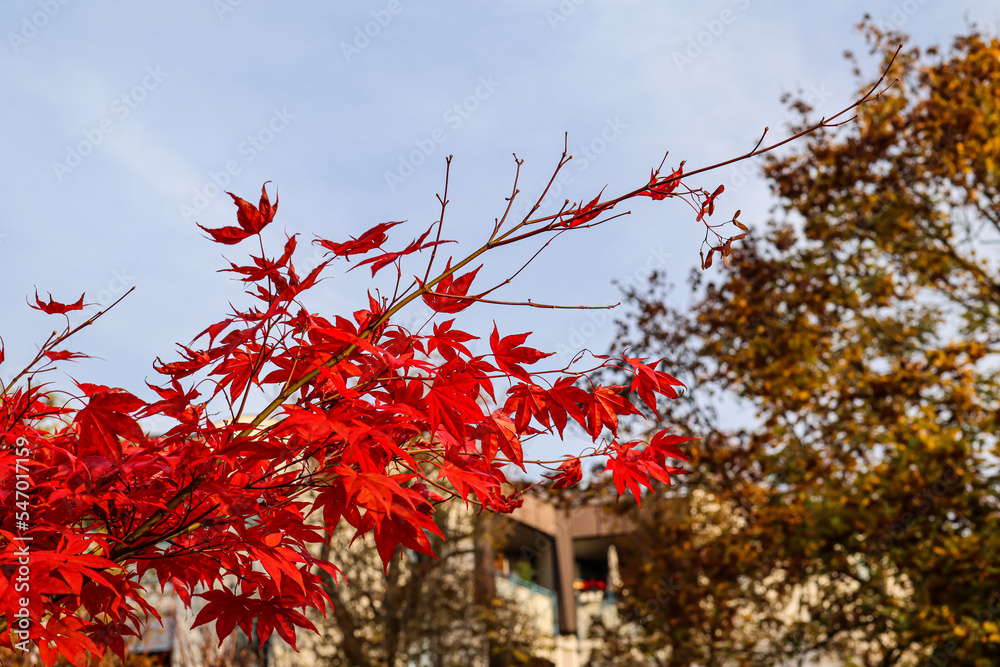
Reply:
x=540, y=602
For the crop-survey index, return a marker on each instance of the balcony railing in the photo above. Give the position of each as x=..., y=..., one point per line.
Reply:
x=537, y=600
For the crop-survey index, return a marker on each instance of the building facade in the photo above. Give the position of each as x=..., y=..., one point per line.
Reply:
x=547, y=570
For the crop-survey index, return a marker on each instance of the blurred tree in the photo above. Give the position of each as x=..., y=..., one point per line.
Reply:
x=856, y=517
x=438, y=612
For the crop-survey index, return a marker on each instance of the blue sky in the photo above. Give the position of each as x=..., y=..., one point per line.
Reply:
x=122, y=120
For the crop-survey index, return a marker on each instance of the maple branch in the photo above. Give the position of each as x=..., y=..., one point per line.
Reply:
x=440, y=223
x=183, y=527
x=531, y=304
x=175, y=502
x=56, y=339
x=761, y=140
x=824, y=122
x=555, y=228
x=510, y=200
x=546, y=464
x=255, y=370
x=563, y=160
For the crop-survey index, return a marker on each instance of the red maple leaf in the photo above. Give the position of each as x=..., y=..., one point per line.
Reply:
x=379, y=262
x=450, y=295
x=567, y=400
x=370, y=240
x=526, y=400
x=606, y=406
x=252, y=219
x=510, y=355
x=647, y=381
x=106, y=418
x=61, y=355
x=665, y=444
x=449, y=341
x=663, y=188
x=628, y=470
x=569, y=474
x=588, y=212
x=504, y=437
x=54, y=307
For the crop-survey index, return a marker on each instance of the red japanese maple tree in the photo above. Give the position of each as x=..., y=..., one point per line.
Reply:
x=371, y=423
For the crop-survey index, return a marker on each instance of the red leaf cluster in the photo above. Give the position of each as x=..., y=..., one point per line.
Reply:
x=252, y=219
x=661, y=188
x=587, y=213
x=52, y=307
x=708, y=205
x=369, y=424
x=451, y=295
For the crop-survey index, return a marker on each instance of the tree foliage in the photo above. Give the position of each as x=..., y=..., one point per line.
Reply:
x=855, y=517
x=370, y=418
x=366, y=422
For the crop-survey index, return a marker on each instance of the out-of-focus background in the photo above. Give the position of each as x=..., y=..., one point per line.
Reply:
x=841, y=506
